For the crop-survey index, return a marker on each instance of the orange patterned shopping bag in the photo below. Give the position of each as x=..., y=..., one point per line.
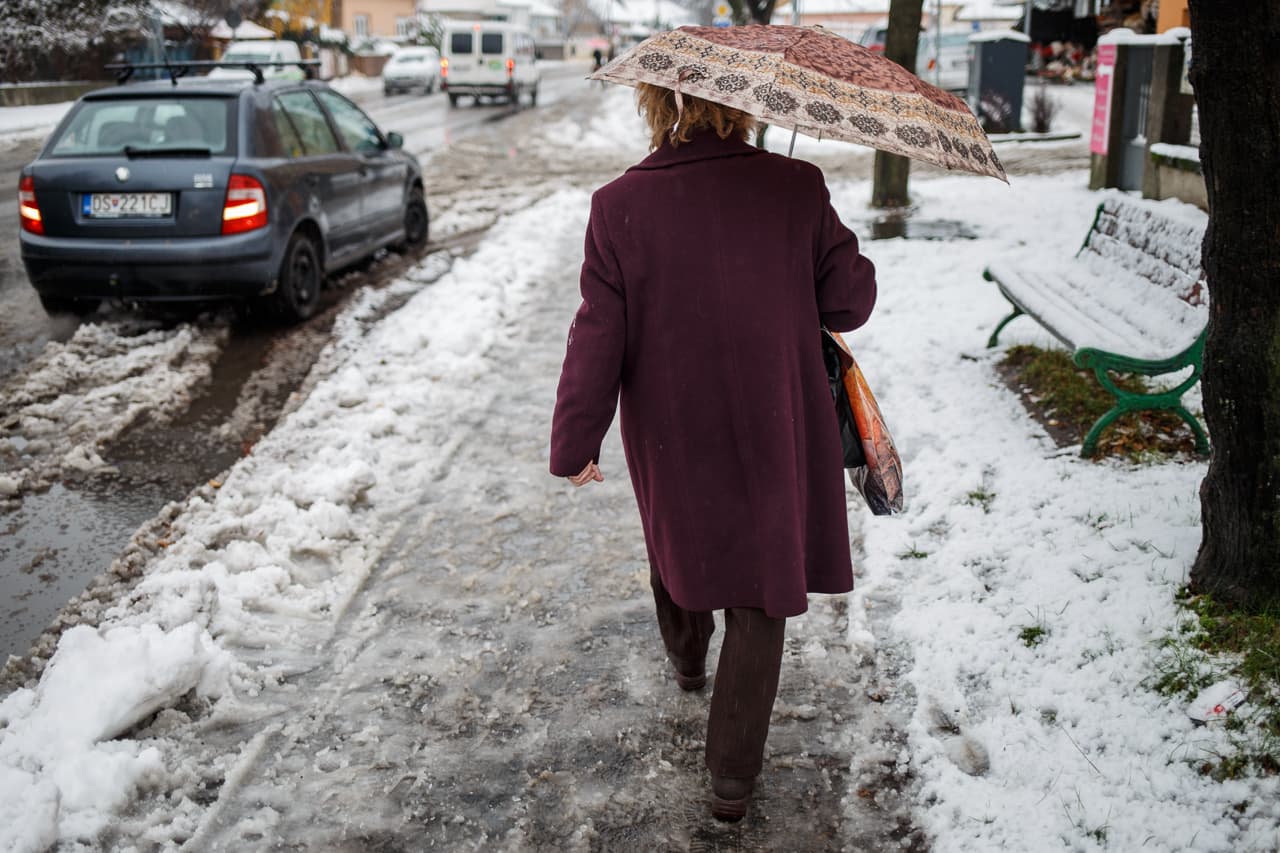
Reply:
x=876, y=472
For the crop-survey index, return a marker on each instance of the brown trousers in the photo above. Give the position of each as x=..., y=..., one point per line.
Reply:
x=746, y=679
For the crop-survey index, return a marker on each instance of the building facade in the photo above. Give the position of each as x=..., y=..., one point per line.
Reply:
x=367, y=19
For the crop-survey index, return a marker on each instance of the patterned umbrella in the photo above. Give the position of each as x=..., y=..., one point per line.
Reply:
x=811, y=80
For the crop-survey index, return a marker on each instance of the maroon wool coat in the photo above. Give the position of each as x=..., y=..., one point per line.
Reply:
x=709, y=267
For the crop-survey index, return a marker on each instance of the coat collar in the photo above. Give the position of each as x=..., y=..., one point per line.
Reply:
x=703, y=145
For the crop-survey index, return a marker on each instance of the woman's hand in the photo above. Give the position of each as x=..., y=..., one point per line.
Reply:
x=588, y=474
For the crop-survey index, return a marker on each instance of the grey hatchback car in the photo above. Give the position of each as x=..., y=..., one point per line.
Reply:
x=199, y=189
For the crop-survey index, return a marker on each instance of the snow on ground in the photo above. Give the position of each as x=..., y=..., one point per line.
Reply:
x=1033, y=584
x=357, y=87
x=79, y=394
x=37, y=120
x=1052, y=743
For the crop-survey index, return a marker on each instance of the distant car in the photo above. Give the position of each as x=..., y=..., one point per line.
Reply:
x=943, y=58
x=206, y=189
x=260, y=51
x=488, y=59
x=412, y=68
x=947, y=68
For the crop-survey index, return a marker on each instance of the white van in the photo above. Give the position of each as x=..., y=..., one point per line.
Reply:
x=261, y=51
x=488, y=59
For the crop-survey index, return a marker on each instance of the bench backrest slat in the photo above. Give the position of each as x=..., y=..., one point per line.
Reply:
x=1162, y=250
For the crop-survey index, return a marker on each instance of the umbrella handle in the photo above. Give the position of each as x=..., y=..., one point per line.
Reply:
x=679, y=101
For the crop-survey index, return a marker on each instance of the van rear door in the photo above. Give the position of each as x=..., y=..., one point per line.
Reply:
x=478, y=57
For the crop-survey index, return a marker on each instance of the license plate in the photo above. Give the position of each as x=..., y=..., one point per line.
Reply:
x=127, y=205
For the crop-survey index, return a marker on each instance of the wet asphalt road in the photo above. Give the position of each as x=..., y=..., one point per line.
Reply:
x=55, y=539
x=24, y=327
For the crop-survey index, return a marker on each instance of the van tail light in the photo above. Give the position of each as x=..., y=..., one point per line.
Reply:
x=28, y=210
x=444, y=67
x=511, y=67
x=933, y=63
x=246, y=206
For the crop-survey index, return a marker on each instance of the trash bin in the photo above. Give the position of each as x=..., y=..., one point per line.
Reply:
x=997, y=70
x=1131, y=98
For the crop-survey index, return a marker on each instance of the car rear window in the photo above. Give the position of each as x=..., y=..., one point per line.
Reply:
x=460, y=43
x=107, y=126
x=491, y=43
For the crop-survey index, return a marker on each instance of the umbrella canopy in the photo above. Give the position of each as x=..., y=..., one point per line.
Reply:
x=811, y=80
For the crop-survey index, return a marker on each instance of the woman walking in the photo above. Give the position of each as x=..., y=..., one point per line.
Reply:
x=709, y=267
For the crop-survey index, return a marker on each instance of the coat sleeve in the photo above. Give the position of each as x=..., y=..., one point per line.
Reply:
x=587, y=397
x=844, y=279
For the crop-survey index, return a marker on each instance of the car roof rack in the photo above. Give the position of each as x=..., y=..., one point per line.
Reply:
x=176, y=69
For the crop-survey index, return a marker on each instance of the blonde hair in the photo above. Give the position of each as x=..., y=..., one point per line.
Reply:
x=658, y=106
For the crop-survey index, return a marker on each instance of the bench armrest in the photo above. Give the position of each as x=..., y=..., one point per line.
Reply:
x=1096, y=359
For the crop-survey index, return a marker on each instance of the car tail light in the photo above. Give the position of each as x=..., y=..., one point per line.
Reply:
x=246, y=206
x=933, y=63
x=444, y=67
x=28, y=210
x=511, y=67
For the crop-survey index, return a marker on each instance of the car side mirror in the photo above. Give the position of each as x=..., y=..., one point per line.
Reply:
x=395, y=140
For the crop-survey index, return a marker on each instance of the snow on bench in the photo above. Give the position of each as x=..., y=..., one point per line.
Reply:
x=1132, y=300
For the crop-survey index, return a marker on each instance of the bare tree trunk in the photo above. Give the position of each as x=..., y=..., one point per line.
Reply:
x=1237, y=84
x=889, y=186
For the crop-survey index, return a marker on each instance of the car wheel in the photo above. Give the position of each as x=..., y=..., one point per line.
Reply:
x=298, y=288
x=416, y=223
x=387, y=91
x=453, y=100
x=533, y=97
x=430, y=88
x=69, y=305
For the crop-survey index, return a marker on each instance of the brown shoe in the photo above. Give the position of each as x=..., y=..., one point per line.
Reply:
x=729, y=797
x=690, y=678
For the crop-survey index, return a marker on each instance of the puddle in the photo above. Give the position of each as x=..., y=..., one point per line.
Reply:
x=56, y=542
x=892, y=227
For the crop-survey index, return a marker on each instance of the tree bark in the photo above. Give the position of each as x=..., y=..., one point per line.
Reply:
x=1237, y=83
x=890, y=172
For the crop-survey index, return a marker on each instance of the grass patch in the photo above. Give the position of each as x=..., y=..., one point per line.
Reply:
x=1213, y=643
x=913, y=553
x=1032, y=635
x=981, y=497
x=1068, y=401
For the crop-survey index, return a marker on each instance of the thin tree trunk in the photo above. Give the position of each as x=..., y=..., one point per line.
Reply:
x=1237, y=84
x=890, y=173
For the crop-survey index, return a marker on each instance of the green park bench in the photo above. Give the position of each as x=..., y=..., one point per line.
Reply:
x=1132, y=300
